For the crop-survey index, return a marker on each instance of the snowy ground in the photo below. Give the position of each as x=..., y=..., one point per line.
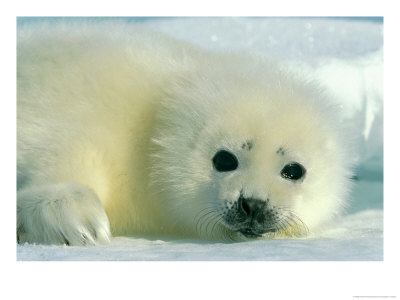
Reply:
x=347, y=57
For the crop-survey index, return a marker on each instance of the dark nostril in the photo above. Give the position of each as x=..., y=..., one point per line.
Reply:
x=245, y=207
x=249, y=206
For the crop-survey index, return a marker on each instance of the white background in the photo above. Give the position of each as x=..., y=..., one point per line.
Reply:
x=272, y=280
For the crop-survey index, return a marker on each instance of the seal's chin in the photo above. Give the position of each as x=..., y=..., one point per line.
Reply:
x=251, y=233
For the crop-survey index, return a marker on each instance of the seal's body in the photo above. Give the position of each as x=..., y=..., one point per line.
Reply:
x=128, y=132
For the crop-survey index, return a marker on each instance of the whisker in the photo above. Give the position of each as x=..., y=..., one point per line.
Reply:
x=217, y=221
x=210, y=219
x=205, y=217
x=207, y=211
x=293, y=225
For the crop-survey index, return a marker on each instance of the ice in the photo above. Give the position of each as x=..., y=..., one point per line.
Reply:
x=344, y=55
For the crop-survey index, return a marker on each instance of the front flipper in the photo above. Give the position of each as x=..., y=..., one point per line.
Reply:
x=64, y=213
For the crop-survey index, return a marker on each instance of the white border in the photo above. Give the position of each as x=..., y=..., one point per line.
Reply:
x=198, y=280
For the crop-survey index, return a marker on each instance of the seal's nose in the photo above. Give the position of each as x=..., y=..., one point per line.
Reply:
x=250, y=207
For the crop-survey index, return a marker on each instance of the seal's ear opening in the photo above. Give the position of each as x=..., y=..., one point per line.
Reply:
x=225, y=161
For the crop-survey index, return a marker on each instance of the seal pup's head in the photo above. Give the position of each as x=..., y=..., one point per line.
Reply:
x=242, y=149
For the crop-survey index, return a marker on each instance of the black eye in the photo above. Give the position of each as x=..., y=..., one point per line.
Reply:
x=224, y=161
x=293, y=171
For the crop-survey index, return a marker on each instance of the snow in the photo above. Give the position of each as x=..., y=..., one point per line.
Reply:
x=346, y=56
x=354, y=239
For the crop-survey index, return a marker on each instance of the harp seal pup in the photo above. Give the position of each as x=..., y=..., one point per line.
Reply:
x=125, y=132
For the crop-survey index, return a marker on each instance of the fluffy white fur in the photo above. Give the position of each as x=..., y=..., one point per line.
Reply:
x=117, y=128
